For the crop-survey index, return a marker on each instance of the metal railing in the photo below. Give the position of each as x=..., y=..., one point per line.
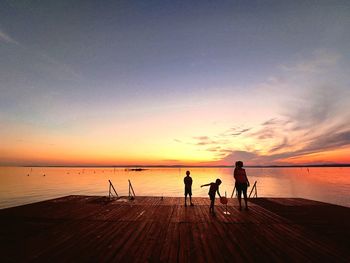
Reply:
x=113, y=193
x=131, y=191
x=111, y=187
x=254, y=188
x=256, y=191
x=234, y=188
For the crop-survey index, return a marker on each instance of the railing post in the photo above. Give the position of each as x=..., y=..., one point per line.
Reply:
x=110, y=188
x=234, y=188
x=256, y=191
x=131, y=191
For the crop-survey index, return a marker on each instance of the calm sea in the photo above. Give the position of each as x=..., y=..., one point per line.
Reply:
x=22, y=185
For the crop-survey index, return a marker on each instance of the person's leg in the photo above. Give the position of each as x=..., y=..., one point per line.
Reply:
x=213, y=205
x=245, y=197
x=191, y=199
x=185, y=199
x=239, y=193
x=211, y=208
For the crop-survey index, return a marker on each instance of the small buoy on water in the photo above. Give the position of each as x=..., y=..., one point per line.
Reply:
x=44, y=174
x=27, y=174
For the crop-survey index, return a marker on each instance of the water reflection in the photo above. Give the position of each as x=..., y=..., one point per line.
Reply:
x=20, y=185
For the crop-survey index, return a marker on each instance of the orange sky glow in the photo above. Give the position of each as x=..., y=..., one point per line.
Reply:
x=137, y=85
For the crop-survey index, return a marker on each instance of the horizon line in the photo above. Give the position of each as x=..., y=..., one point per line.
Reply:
x=184, y=166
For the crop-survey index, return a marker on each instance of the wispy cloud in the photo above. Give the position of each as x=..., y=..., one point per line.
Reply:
x=237, y=132
x=214, y=149
x=53, y=66
x=44, y=61
x=275, y=121
x=312, y=116
x=316, y=125
x=333, y=139
x=320, y=60
x=314, y=120
x=318, y=144
x=7, y=39
x=234, y=131
x=250, y=157
x=320, y=106
x=204, y=140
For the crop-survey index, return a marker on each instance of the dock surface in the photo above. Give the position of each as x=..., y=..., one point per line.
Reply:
x=154, y=229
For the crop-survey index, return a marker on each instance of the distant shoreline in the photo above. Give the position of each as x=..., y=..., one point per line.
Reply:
x=181, y=166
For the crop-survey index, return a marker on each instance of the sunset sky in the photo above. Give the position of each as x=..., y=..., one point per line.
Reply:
x=174, y=82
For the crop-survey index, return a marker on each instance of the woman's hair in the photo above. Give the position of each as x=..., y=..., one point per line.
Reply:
x=239, y=164
x=187, y=172
x=218, y=181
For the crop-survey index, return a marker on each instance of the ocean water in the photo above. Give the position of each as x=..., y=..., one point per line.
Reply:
x=22, y=185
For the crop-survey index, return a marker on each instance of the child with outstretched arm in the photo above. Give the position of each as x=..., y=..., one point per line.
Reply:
x=214, y=187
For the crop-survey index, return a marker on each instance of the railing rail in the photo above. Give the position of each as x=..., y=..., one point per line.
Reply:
x=255, y=192
x=254, y=188
x=131, y=191
x=234, y=188
x=111, y=187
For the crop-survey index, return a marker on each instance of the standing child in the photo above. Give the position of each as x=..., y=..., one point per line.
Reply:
x=214, y=187
x=188, y=187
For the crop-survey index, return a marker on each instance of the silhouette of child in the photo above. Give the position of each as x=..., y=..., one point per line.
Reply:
x=241, y=183
x=214, y=187
x=188, y=187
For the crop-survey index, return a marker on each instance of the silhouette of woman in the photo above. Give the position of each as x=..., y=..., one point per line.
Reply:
x=241, y=183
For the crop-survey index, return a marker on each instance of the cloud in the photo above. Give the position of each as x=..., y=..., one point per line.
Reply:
x=44, y=62
x=317, y=124
x=52, y=66
x=313, y=118
x=6, y=38
x=311, y=115
x=234, y=131
x=320, y=60
x=198, y=141
x=239, y=132
x=270, y=129
x=331, y=140
x=214, y=149
x=317, y=145
x=203, y=140
x=275, y=121
x=281, y=146
x=313, y=127
x=269, y=122
x=264, y=133
x=321, y=106
x=248, y=157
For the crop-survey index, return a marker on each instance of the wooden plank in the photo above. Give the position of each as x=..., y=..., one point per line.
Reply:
x=90, y=228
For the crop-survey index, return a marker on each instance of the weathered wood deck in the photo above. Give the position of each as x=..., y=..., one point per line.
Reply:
x=89, y=228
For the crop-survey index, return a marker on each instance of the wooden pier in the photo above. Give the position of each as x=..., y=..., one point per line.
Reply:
x=155, y=229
